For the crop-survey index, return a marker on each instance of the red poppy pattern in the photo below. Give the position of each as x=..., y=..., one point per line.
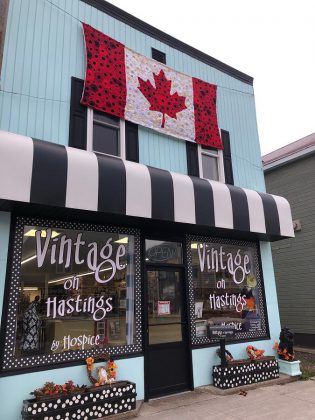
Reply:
x=206, y=122
x=105, y=79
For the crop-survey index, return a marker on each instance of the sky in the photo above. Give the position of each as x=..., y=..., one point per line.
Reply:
x=270, y=40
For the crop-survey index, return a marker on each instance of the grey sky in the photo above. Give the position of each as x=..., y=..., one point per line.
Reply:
x=273, y=41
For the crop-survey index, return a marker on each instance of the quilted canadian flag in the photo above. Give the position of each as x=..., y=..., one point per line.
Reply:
x=126, y=84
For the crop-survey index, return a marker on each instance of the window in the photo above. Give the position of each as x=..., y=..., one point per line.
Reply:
x=226, y=290
x=158, y=55
x=100, y=132
x=211, y=163
x=105, y=134
x=74, y=293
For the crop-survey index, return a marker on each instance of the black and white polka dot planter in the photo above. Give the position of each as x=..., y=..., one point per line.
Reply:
x=234, y=376
x=93, y=404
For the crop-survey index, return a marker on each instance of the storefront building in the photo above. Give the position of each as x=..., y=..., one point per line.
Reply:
x=141, y=234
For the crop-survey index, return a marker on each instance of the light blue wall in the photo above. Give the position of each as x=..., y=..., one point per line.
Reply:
x=236, y=114
x=162, y=151
x=204, y=359
x=44, y=48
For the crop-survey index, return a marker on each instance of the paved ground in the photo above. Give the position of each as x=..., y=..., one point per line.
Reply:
x=304, y=350
x=294, y=401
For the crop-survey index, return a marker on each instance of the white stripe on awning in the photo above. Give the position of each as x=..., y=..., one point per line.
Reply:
x=16, y=166
x=184, y=202
x=223, y=212
x=256, y=211
x=82, y=180
x=285, y=216
x=138, y=190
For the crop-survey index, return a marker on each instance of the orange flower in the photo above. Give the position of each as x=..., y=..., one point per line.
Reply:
x=111, y=369
x=89, y=362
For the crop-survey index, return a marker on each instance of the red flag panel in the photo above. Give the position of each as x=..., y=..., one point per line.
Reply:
x=206, y=123
x=105, y=79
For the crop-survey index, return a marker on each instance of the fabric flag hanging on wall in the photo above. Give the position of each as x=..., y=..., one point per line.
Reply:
x=123, y=83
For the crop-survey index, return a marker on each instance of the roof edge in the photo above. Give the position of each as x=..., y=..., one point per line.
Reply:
x=150, y=30
x=282, y=161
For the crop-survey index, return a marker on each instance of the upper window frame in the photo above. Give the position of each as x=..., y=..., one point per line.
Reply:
x=121, y=137
x=218, y=154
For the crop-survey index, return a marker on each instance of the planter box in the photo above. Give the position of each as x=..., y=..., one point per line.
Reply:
x=95, y=403
x=290, y=368
x=245, y=373
x=239, y=362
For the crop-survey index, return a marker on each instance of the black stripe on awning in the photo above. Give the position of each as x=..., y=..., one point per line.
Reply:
x=240, y=208
x=204, y=206
x=162, y=194
x=112, y=185
x=271, y=214
x=49, y=176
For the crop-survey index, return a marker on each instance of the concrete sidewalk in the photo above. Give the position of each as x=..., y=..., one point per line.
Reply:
x=294, y=401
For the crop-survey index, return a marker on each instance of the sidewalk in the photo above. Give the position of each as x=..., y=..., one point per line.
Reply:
x=294, y=401
x=308, y=350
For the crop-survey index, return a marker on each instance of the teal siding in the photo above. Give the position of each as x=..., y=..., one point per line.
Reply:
x=237, y=114
x=162, y=151
x=44, y=48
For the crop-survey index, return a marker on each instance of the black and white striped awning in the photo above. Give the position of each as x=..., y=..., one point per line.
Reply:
x=33, y=171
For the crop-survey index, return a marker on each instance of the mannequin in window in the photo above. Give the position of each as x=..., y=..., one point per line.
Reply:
x=31, y=328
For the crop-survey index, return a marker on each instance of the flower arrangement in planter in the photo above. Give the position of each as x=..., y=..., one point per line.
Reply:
x=287, y=362
x=285, y=347
x=254, y=354
x=51, y=389
x=283, y=353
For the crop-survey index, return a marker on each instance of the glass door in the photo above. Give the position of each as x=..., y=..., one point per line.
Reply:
x=164, y=306
x=168, y=363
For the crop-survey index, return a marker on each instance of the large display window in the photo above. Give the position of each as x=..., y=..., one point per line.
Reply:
x=74, y=291
x=226, y=291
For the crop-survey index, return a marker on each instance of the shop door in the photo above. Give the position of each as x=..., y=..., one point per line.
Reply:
x=168, y=366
